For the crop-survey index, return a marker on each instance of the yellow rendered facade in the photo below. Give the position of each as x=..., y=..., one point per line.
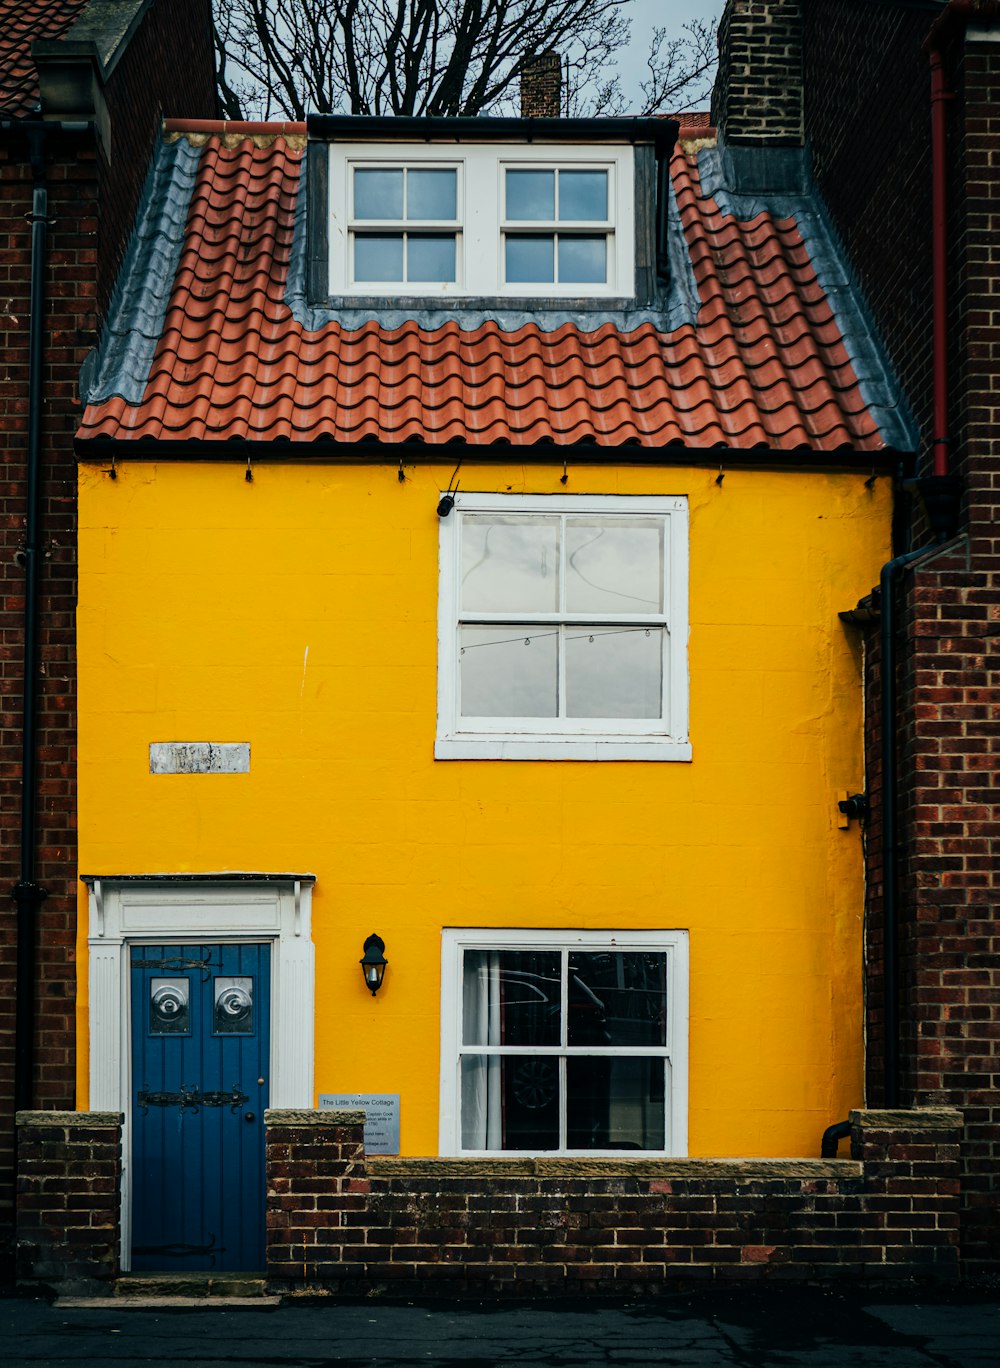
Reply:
x=298, y=612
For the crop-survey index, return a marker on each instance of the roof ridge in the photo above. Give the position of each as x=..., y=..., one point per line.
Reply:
x=243, y=127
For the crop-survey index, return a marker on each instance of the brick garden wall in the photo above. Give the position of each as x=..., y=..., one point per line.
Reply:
x=68, y=1198
x=414, y=1227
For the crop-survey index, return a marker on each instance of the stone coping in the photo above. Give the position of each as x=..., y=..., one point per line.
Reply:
x=68, y=1118
x=915, y=1118
x=739, y=1170
x=282, y=1116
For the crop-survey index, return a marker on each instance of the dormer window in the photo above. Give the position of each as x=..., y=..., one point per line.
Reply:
x=503, y=222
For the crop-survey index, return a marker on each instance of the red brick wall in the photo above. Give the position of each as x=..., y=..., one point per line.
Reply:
x=166, y=69
x=412, y=1227
x=867, y=115
x=70, y=324
x=868, y=121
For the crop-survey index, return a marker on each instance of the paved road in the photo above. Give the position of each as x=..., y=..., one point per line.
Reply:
x=783, y=1328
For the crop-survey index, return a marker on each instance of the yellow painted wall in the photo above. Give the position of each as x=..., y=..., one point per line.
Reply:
x=298, y=612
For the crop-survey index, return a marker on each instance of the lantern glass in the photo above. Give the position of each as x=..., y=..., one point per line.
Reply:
x=373, y=963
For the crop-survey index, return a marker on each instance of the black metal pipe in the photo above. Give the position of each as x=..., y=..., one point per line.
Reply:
x=26, y=892
x=832, y=1137
x=890, y=844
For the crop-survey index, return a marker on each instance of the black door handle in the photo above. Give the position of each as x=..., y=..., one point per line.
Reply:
x=249, y=1116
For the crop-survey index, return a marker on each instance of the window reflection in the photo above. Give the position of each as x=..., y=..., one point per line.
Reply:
x=574, y=1010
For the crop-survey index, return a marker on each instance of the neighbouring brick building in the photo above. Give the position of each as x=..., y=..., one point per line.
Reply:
x=83, y=86
x=868, y=104
x=841, y=90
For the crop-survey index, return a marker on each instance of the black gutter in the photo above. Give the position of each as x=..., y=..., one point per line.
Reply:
x=662, y=133
x=720, y=458
x=27, y=893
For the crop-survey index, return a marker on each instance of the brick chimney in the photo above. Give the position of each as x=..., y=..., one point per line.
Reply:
x=541, y=86
x=757, y=100
x=757, y=103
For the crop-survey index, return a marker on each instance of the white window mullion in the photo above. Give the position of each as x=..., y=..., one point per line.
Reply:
x=562, y=1105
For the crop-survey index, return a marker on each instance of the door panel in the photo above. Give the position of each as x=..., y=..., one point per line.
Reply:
x=200, y=1058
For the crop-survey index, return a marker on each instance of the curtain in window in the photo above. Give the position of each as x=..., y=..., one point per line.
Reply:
x=482, y=1120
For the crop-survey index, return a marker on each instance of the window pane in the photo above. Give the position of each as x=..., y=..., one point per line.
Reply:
x=583, y=260
x=511, y=997
x=531, y=195
x=502, y=676
x=583, y=195
x=431, y=194
x=510, y=1103
x=378, y=256
x=614, y=565
x=615, y=1103
x=617, y=997
x=169, y=1006
x=233, y=1006
x=510, y=564
x=614, y=672
x=530, y=260
x=378, y=194
x=430, y=256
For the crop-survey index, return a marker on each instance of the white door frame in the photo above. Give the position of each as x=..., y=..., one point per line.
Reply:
x=127, y=910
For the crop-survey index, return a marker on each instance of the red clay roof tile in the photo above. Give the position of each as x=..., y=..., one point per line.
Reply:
x=763, y=365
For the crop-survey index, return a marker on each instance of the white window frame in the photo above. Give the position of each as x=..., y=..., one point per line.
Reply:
x=674, y=943
x=664, y=738
x=480, y=227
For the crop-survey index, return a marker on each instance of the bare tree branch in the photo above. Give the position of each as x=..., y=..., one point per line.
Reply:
x=443, y=57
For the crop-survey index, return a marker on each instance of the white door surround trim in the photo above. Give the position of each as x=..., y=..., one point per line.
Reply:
x=125, y=910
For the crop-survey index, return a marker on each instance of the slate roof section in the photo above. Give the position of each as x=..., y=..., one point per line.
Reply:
x=206, y=346
x=21, y=22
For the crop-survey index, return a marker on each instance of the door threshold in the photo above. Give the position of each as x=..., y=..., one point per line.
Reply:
x=189, y=1290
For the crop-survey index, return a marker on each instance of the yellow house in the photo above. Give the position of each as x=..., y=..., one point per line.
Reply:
x=465, y=516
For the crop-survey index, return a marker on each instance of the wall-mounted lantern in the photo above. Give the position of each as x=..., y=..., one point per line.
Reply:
x=373, y=963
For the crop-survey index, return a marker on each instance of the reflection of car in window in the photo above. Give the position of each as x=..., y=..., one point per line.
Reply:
x=531, y=1094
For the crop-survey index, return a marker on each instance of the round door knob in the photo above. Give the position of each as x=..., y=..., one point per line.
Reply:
x=249, y=1116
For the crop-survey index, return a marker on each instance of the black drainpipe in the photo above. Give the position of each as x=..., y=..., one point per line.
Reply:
x=942, y=499
x=891, y=572
x=27, y=894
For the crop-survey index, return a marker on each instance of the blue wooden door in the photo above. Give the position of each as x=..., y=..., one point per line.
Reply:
x=200, y=1052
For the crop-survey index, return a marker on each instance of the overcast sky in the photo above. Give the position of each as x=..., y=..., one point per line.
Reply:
x=649, y=14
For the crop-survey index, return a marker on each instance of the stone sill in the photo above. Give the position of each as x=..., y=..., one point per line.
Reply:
x=916, y=1119
x=690, y=1170
x=68, y=1118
